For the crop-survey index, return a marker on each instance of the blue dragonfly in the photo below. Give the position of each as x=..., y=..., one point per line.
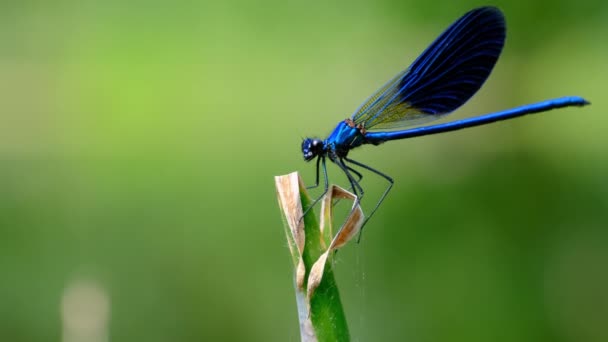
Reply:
x=445, y=76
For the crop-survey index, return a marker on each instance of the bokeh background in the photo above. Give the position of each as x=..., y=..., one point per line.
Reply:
x=138, y=145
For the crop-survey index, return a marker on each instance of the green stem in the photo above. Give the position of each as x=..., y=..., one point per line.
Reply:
x=326, y=316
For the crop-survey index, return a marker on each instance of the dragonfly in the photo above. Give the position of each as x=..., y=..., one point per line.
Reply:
x=445, y=76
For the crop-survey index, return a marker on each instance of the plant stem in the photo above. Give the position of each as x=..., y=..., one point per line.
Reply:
x=326, y=320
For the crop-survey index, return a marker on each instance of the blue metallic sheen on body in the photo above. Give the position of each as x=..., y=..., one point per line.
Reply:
x=380, y=137
x=343, y=139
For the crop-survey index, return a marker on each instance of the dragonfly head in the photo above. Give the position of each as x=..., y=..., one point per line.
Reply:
x=312, y=148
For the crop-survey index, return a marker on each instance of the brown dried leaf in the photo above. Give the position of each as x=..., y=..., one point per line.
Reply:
x=288, y=193
x=350, y=228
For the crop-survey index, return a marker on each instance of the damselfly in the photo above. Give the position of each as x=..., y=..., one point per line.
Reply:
x=445, y=76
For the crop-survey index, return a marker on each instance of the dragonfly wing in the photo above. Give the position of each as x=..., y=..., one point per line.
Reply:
x=447, y=74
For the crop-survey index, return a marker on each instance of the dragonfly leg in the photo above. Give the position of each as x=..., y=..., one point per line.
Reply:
x=359, y=178
x=355, y=186
x=320, y=161
x=388, y=188
x=357, y=173
x=317, y=180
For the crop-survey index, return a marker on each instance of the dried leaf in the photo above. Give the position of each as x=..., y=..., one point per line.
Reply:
x=288, y=193
x=349, y=229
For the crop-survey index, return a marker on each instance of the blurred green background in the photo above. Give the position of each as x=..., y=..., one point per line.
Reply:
x=138, y=145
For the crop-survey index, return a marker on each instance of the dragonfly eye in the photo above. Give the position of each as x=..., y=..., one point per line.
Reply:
x=311, y=148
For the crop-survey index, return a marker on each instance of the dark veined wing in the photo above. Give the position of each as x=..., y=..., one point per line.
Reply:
x=445, y=76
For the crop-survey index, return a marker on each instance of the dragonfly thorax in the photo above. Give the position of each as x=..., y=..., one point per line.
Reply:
x=346, y=136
